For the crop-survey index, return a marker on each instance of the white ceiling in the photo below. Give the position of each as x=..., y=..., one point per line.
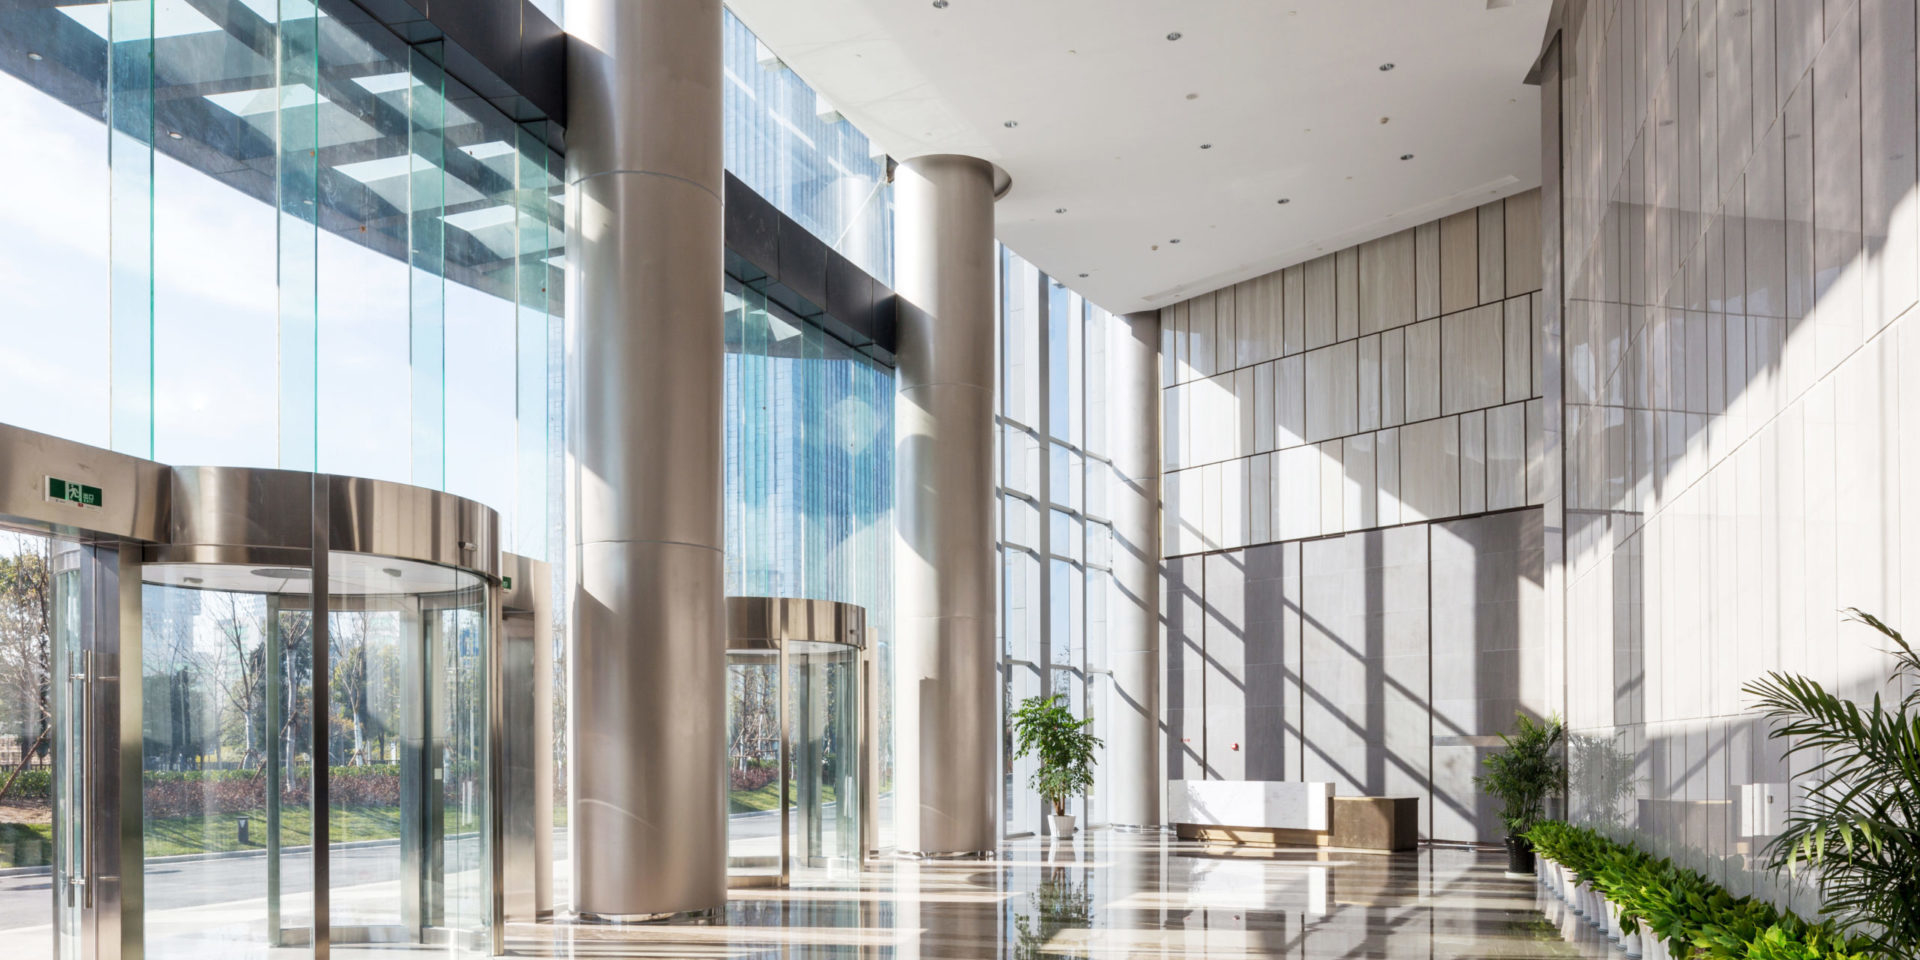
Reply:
x=1289, y=93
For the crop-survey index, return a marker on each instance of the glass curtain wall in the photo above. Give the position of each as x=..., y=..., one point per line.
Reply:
x=269, y=233
x=789, y=144
x=809, y=505
x=1055, y=531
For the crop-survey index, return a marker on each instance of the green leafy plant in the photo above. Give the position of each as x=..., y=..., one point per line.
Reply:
x=1858, y=824
x=1045, y=728
x=1528, y=771
x=1062, y=905
x=1696, y=918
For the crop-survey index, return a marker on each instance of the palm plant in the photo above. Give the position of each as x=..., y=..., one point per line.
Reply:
x=1859, y=823
x=1043, y=726
x=1527, y=772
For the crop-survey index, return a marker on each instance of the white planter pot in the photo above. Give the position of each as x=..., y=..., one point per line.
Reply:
x=1062, y=826
x=1613, y=922
x=1632, y=943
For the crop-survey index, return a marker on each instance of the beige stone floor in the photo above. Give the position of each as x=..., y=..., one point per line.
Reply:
x=1114, y=895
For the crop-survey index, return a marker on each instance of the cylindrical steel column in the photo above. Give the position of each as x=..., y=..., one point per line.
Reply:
x=644, y=344
x=946, y=693
x=1133, y=625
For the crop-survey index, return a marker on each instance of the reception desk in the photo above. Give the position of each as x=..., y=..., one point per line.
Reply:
x=1303, y=813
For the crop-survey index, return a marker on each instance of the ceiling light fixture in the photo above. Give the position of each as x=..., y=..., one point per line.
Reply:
x=1206, y=146
x=1059, y=209
x=1193, y=96
x=1174, y=35
x=1406, y=156
x=1284, y=200
x=34, y=56
x=1010, y=124
x=1386, y=67
x=1083, y=276
x=1174, y=240
x=939, y=4
x=175, y=134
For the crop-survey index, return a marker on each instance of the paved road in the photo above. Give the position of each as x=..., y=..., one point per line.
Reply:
x=27, y=901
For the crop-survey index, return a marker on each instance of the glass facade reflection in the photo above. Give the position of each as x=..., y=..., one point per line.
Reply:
x=791, y=146
x=1055, y=537
x=270, y=233
x=809, y=479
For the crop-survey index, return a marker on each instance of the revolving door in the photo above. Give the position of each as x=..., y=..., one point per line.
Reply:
x=276, y=704
x=796, y=760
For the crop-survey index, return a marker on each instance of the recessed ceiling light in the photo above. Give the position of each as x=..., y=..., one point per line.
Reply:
x=1059, y=209
x=1284, y=200
x=1385, y=67
x=1010, y=124
x=1174, y=35
x=34, y=56
x=175, y=134
x=1406, y=156
x=1206, y=146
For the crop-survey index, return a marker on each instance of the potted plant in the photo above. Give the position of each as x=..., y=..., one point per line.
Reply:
x=1044, y=727
x=1857, y=821
x=1522, y=776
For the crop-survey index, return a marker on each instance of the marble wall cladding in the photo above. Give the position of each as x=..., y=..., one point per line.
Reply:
x=1383, y=660
x=1736, y=212
x=1296, y=381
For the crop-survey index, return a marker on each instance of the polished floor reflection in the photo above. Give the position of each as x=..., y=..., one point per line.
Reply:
x=1118, y=895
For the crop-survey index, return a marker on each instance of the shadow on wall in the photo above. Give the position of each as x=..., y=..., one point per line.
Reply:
x=1385, y=661
x=1737, y=332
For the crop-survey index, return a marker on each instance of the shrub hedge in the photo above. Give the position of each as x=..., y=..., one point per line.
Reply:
x=188, y=793
x=1698, y=919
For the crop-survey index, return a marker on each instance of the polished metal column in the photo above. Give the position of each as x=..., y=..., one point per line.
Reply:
x=1133, y=381
x=644, y=345
x=946, y=693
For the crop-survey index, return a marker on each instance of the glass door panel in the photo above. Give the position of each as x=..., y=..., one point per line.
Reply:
x=753, y=764
x=226, y=674
x=407, y=765
x=37, y=896
x=824, y=700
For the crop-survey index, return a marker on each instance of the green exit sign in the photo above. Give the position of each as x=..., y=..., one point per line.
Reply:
x=68, y=491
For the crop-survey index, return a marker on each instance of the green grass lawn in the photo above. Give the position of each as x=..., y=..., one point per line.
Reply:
x=187, y=835
x=768, y=798
x=26, y=844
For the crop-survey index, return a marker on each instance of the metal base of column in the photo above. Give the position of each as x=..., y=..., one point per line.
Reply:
x=692, y=917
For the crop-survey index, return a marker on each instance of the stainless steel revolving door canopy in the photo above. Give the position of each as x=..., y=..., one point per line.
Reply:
x=279, y=733
x=796, y=757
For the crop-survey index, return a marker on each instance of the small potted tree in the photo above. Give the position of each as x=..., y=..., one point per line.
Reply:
x=1045, y=728
x=1522, y=776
